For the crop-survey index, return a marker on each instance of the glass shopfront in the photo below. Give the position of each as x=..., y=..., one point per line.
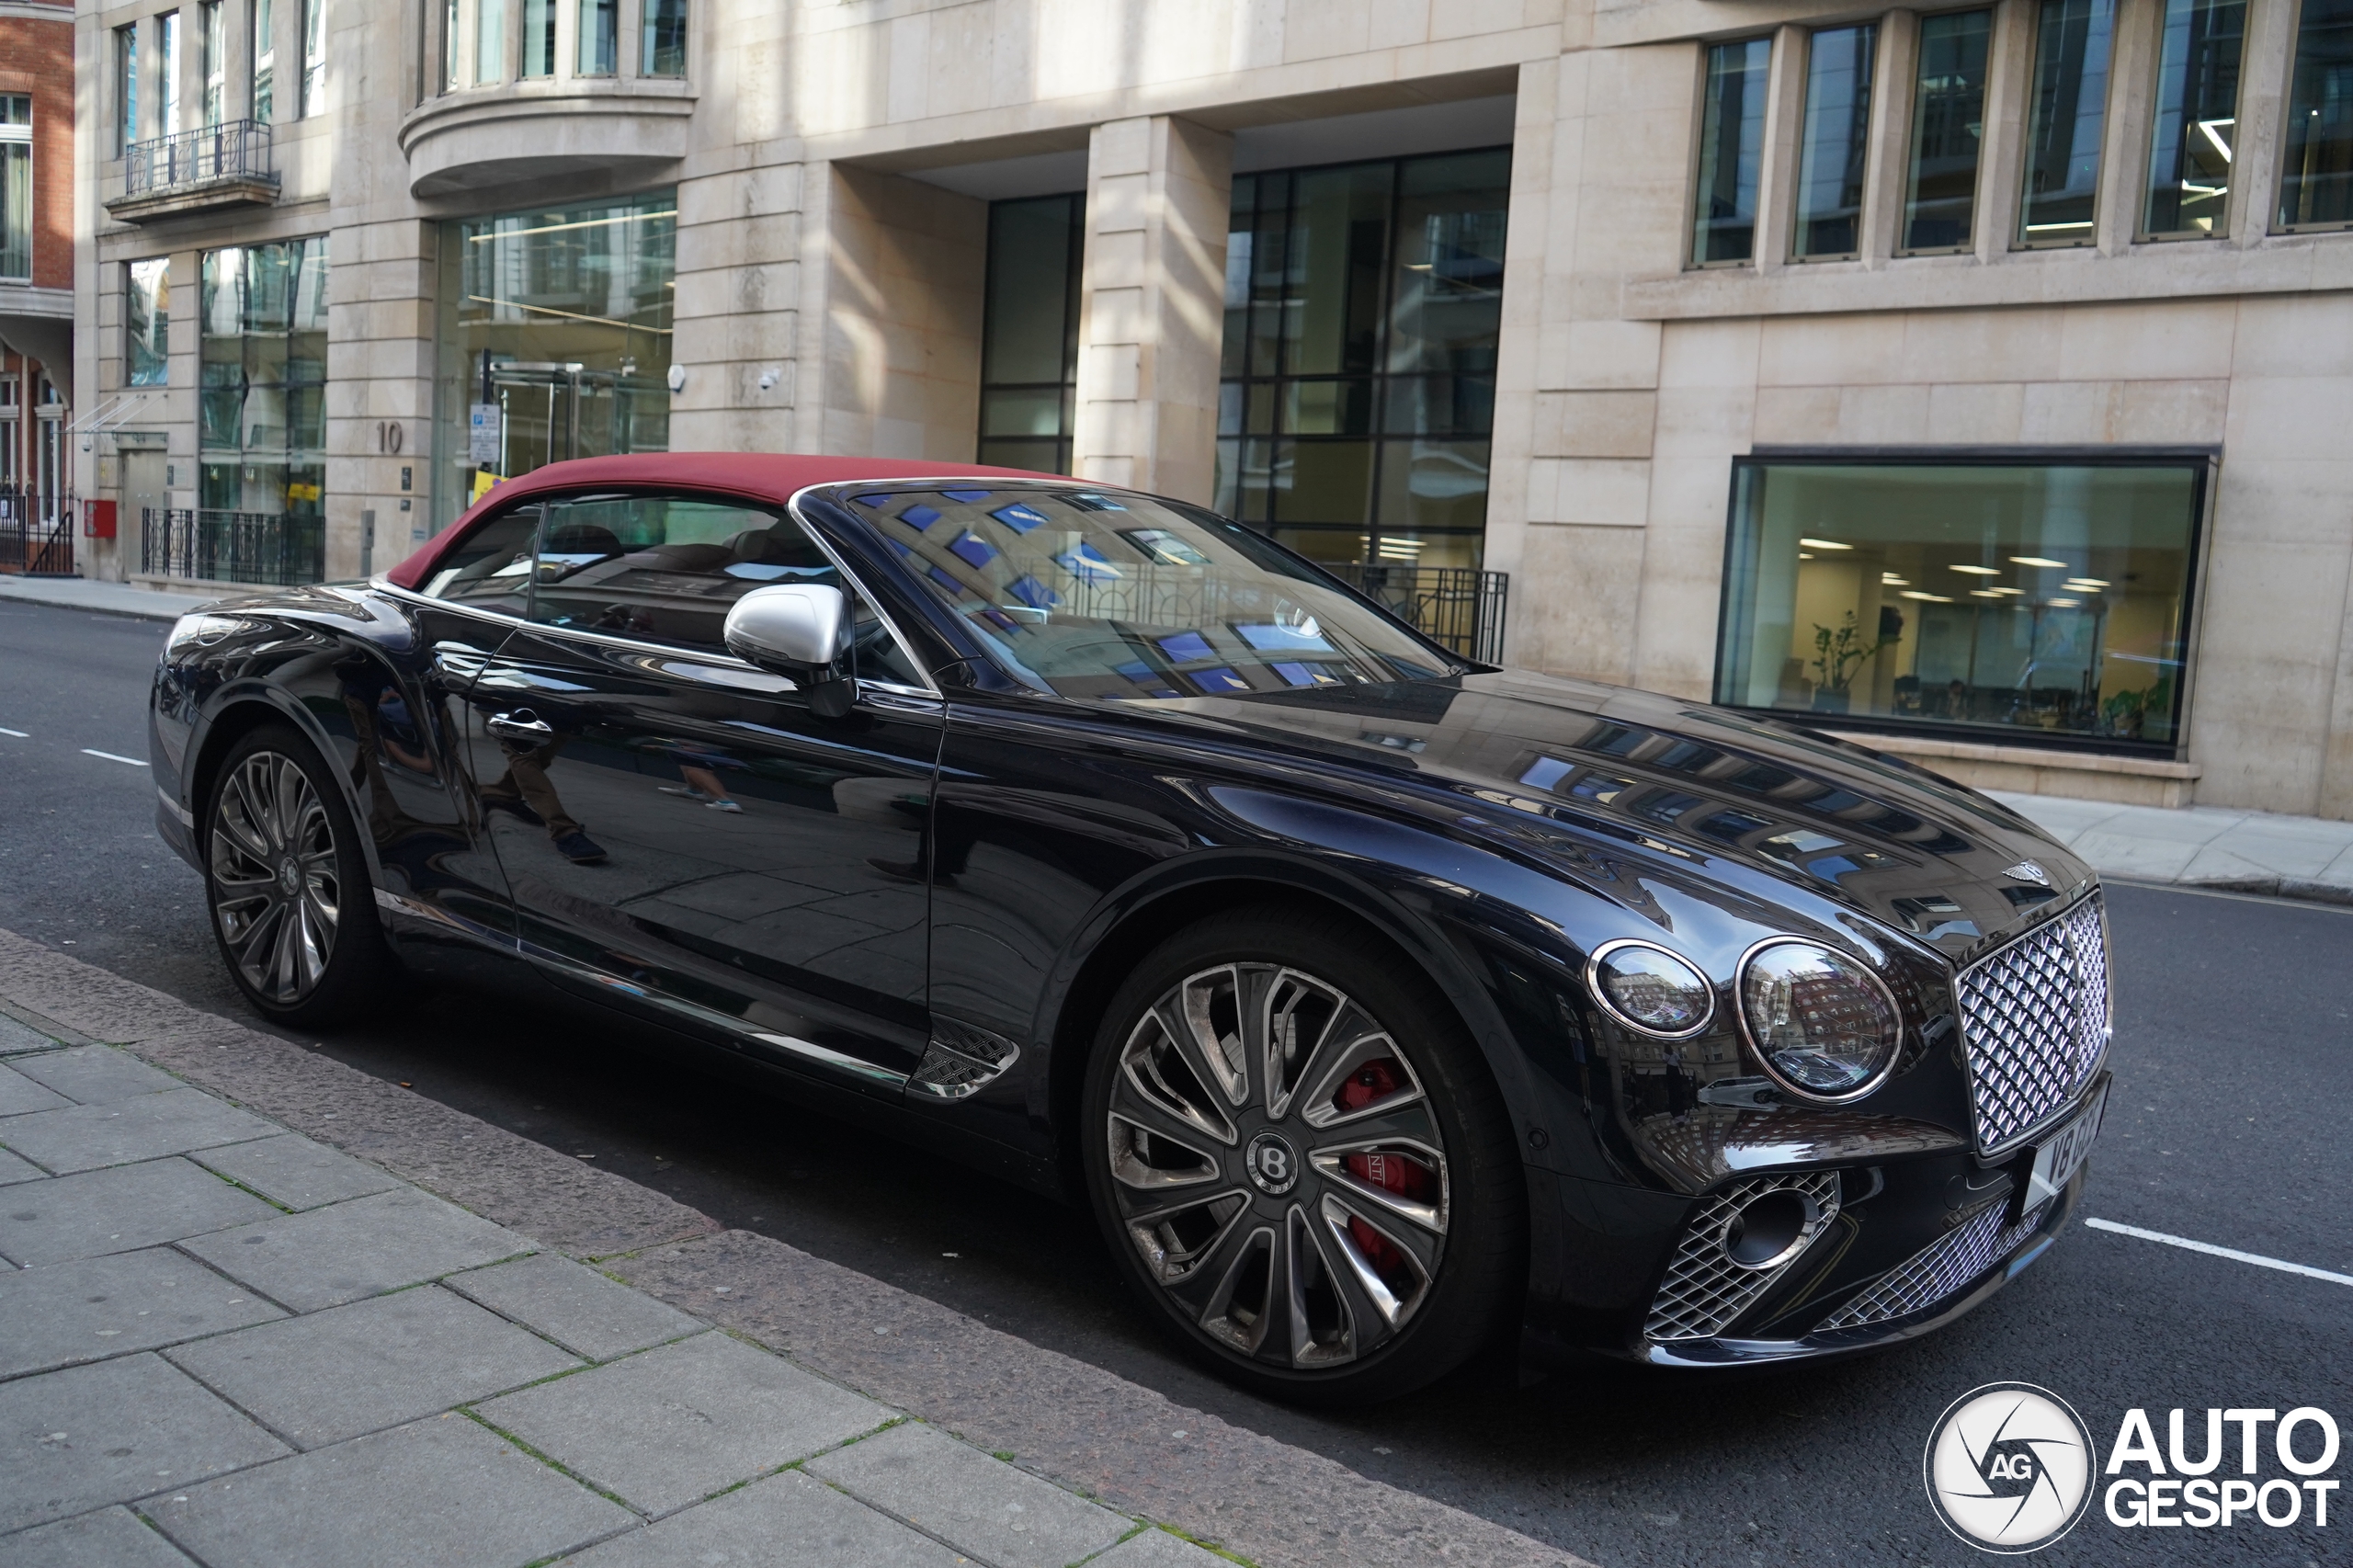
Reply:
x=1993, y=601
x=261, y=428
x=1030, y=332
x=557, y=321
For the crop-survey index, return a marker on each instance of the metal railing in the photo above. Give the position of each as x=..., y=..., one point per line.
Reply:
x=275, y=548
x=35, y=532
x=236, y=149
x=1459, y=605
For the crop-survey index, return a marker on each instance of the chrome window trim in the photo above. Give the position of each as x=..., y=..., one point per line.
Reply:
x=1601, y=998
x=1748, y=1036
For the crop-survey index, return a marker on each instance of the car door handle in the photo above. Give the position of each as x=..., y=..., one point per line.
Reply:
x=520, y=725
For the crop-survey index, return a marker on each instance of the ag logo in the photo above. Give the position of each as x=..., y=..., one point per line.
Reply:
x=2009, y=1468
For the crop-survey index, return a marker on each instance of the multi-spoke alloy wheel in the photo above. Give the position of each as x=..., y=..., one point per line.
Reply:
x=276, y=889
x=1301, y=1158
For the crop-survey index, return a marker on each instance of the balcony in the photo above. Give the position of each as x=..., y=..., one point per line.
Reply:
x=517, y=136
x=204, y=170
x=1459, y=605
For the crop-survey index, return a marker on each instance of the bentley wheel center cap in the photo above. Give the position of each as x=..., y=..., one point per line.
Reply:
x=1273, y=1164
x=288, y=878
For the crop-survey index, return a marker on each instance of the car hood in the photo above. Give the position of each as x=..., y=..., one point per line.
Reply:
x=1874, y=834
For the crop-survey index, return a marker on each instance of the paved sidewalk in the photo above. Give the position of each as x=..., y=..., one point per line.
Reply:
x=2309, y=857
x=223, y=1343
x=114, y=598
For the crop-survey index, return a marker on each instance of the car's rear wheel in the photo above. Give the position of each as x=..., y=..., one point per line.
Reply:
x=1300, y=1160
x=292, y=907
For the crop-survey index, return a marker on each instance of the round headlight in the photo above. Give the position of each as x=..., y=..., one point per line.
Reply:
x=1825, y=1026
x=1649, y=989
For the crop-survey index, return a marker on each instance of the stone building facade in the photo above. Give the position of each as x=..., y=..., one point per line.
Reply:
x=1969, y=378
x=37, y=180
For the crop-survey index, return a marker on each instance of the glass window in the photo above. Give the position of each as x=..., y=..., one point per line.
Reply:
x=539, y=38
x=211, y=20
x=601, y=25
x=1732, y=144
x=1948, y=131
x=1837, y=136
x=1127, y=598
x=2066, y=111
x=490, y=40
x=1029, y=331
x=147, y=322
x=557, y=318
x=314, y=57
x=169, y=26
x=490, y=567
x=2195, y=124
x=265, y=64
x=2316, y=165
x=16, y=186
x=1361, y=319
x=126, y=87
x=261, y=402
x=1995, y=597
x=663, y=49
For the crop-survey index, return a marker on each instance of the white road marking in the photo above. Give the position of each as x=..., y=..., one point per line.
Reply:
x=2211, y=1250
x=91, y=751
x=18, y=734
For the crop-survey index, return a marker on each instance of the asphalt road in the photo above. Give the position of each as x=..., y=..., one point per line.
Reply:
x=2228, y=1125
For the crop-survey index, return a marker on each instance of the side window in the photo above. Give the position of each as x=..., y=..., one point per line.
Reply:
x=491, y=569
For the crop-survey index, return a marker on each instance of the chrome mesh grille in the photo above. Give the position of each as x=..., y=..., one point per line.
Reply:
x=961, y=1059
x=1704, y=1290
x=2034, y=1017
x=1937, y=1269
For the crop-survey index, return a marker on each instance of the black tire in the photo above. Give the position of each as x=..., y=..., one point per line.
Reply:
x=1323, y=1165
x=286, y=883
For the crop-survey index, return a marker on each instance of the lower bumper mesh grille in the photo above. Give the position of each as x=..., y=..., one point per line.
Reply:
x=1937, y=1269
x=1704, y=1290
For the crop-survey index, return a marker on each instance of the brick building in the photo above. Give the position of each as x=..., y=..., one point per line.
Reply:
x=36, y=181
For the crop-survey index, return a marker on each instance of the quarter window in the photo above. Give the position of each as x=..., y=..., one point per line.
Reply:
x=2194, y=132
x=2066, y=113
x=1948, y=131
x=2316, y=165
x=1731, y=147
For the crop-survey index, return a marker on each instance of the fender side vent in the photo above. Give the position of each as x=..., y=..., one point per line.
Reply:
x=961, y=1059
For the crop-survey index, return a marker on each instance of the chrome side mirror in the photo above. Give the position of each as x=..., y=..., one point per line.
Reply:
x=801, y=631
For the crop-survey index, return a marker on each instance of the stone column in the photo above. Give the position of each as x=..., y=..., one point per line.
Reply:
x=1152, y=305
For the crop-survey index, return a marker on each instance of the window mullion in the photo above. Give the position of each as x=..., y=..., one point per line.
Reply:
x=2271, y=26
x=1889, y=157
x=2124, y=159
x=2001, y=164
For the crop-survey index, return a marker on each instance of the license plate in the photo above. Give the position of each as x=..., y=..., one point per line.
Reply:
x=2061, y=1156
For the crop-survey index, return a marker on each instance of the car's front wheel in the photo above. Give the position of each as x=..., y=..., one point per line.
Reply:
x=292, y=906
x=1300, y=1159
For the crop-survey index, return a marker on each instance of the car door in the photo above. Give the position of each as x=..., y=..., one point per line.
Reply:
x=684, y=832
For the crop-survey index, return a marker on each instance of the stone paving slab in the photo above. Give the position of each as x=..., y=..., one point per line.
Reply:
x=441, y=1491
x=17, y=1036
x=963, y=1496
x=295, y=1172
x=16, y=1168
x=327, y=1376
x=84, y=1137
x=119, y=1209
x=94, y=1074
x=80, y=1439
x=111, y=1537
x=20, y=1095
x=787, y=1518
x=365, y=1247
x=702, y=1414
x=98, y=1307
x=574, y=1305
x=1157, y=1549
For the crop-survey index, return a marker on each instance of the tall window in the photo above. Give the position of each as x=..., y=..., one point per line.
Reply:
x=1837, y=138
x=490, y=40
x=215, y=43
x=664, y=47
x=15, y=186
x=126, y=87
x=1732, y=144
x=449, y=46
x=600, y=26
x=265, y=64
x=539, y=38
x=314, y=57
x=2196, y=125
x=147, y=322
x=1362, y=308
x=1029, y=331
x=2052, y=599
x=2316, y=165
x=2066, y=113
x=1948, y=131
x=168, y=38
x=261, y=410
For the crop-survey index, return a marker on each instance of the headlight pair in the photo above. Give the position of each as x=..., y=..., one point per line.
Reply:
x=1825, y=1028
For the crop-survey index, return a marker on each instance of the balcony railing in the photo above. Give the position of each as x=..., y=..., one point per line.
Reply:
x=212, y=166
x=275, y=548
x=1459, y=605
x=35, y=532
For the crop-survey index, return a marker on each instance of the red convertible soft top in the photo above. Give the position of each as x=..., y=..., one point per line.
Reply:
x=773, y=477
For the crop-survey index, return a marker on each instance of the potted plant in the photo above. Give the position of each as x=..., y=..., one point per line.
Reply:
x=1837, y=657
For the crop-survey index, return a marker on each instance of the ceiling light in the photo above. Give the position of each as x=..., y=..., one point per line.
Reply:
x=1892, y=581
x=1823, y=544
x=2063, y=604
x=2087, y=582
x=1985, y=593
x=1978, y=570
x=2036, y=560
x=2006, y=591
x=1926, y=599
x=1805, y=555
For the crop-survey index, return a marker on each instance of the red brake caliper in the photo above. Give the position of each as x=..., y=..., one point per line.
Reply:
x=1405, y=1177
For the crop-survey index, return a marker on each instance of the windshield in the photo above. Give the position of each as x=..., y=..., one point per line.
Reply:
x=1120, y=597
